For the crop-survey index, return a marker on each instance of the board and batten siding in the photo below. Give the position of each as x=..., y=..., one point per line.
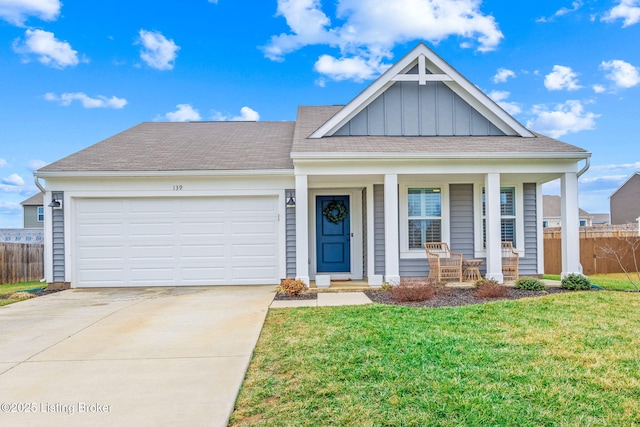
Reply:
x=58, y=231
x=290, y=226
x=528, y=264
x=410, y=109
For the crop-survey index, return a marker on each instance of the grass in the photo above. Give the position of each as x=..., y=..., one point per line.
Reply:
x=562, y=360
x=611, y=281
x=16, y=287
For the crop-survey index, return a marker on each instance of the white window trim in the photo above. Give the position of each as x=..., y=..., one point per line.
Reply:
x=403, y=198
x=480, y=250
x=40, y=208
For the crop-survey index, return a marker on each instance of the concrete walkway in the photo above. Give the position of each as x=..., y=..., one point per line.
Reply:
x=326, y=300
x=128, y=357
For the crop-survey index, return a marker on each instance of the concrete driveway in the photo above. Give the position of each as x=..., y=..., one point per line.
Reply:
x=139, y=357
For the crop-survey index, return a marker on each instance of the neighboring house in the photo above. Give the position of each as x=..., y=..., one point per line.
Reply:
x=625, y=201
x=33, y=211
x=22, y=235
x=552, y=215
x=348, y=191
x=601, y=219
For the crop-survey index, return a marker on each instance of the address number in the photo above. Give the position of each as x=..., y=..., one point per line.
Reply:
x=177, y=187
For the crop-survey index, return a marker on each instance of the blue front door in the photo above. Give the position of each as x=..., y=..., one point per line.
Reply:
x=333, y=234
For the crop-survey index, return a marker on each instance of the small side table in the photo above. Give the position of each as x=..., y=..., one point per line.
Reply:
x=471, y=272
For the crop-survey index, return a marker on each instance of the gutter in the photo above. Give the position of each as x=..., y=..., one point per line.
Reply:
x=36, y=179
x=436, y=156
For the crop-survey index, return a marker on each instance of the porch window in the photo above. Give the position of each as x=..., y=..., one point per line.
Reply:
x=507, y=215
x=424, y=214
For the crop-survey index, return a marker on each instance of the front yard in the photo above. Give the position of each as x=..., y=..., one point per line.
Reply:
x=562, y=360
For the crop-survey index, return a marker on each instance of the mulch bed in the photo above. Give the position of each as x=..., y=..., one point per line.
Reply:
x=306, y=296
x=38, y=294
x=455, y=297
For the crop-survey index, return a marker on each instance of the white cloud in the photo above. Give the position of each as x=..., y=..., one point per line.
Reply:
x=184, y=113
x=365, y=32
x=247, y=114
x=157, y=52
x=569, y=117
x=621, y=73
x=87, y=102
x=619, y=167
x=598, y=88
x=503, y=75
x=561, y=78
x=35, y=164
x=14, y=179
x=16, y=12
x=3, y=163
x=500, y=96
x=627, y=10
x=575, y=6
x=355, y=68
x=48, y=50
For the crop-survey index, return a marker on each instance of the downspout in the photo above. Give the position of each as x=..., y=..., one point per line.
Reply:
x=35, y=179
x=586, y=167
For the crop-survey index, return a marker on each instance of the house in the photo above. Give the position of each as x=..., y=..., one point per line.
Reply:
x=33, y=212
x=351, y=192
x=625, y=201
x=552, y=215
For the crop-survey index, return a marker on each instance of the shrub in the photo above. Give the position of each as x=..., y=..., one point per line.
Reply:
x=291, y=287
x=576, y=282
x=530, y=284
x=489, y=288
x=412, y=291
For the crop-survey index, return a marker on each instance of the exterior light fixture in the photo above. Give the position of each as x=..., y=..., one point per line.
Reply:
x=55, y=204
x=291, y=202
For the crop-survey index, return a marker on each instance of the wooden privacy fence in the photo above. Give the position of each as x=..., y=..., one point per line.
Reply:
x=21, y=262
x=592, y=257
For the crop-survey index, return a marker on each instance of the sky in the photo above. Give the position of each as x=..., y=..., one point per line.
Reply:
x=73, y=73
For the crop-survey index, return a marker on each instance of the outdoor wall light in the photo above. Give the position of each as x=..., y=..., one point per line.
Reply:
x=55, y=204
x=291, y=202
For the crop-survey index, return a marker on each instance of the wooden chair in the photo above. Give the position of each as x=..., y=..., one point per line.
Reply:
x=510, y=259
x=444, y=265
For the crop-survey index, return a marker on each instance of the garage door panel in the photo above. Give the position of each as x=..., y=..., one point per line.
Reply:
x=178, y=241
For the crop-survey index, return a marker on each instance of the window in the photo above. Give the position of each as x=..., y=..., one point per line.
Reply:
x=424, y=216
x=40, y=213
x=507, y=215
x=545, y=224
x=583, y=223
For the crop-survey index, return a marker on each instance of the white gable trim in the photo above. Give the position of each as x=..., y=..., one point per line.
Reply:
x=425, y=58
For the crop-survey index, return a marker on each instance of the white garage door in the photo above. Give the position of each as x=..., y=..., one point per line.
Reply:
x=177, y=241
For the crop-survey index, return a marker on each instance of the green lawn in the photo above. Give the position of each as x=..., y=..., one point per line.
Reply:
x=16, y=287
x=611, y=281
x=568, y=359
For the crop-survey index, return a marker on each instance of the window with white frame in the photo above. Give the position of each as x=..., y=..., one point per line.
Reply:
x=40, y=213
x=424, y=216
x=507, y=215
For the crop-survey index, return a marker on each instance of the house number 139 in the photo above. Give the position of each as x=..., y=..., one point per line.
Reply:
x=177, y=188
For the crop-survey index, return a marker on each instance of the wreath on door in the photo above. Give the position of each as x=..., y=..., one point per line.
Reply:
x=335, y=211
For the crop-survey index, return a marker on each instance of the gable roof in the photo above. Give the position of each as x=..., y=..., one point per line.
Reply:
x=430, y=67
x=204, y=146
x=634, y=175
x=551, y=207
x=35, y=200
x=311, y=118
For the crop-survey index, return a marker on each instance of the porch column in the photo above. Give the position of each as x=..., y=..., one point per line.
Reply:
x=302, y=228
x=493, y=226
x=391, y=244
x=570, y=224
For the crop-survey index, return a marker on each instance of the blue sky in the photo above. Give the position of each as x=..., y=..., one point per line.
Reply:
x=75, y=72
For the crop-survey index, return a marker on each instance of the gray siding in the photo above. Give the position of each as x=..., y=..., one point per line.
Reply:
x=625, y=202
x=31, y=217
x=58, y=241
x=378, y=237
x=290, y=225
x=529, y=263
x=407, y=108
